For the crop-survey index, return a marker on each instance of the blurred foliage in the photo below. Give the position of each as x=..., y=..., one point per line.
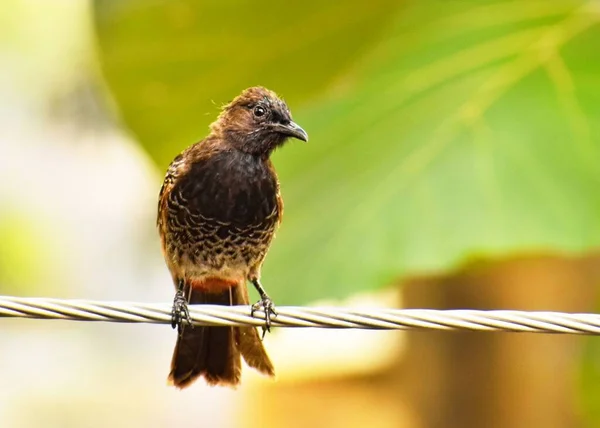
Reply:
x=589, y=381
x=440, y=131
x=41, y=44
x=26, y=260
x=172, y=64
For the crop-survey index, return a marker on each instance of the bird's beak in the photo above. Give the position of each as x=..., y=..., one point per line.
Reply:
x=293, y=130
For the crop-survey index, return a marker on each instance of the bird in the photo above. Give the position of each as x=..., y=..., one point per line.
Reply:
x=218, y=210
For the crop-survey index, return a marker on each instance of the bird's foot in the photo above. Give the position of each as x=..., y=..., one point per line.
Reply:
x=180, y=312
x=266, y=305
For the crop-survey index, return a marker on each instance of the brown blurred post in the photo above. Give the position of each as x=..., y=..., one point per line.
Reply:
x=498, y=379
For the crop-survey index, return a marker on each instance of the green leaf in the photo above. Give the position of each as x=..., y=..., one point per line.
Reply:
x=460, y=130
x=172, y=64
x=471, y=131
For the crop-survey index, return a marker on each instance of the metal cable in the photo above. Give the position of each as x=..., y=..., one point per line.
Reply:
x=289, y=316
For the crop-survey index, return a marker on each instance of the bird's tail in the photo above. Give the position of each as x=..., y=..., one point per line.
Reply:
x=214, y=352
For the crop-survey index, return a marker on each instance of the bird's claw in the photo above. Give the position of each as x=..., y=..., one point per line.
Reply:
x=180, y=312
x=266, y=305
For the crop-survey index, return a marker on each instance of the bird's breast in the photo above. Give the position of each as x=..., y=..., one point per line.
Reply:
x=235, y=188
x=221, y=215
x=233, y=195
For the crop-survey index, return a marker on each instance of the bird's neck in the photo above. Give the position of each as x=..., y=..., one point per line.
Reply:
x=256, y=144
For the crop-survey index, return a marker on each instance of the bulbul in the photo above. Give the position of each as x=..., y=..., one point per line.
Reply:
x=218, y=210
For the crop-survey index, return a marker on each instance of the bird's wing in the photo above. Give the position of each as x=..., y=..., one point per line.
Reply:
x=176, y=169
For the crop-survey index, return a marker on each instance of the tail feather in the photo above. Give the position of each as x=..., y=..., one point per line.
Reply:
x=214, y=352
x=248, y=340
x=206, y=351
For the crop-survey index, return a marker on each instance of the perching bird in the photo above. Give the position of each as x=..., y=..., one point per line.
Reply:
x=218, y=210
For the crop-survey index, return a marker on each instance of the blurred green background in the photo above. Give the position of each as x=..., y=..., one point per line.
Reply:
x=440, y=131
x=449, y=140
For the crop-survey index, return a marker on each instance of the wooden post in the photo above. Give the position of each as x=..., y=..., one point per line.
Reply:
x=498, y=379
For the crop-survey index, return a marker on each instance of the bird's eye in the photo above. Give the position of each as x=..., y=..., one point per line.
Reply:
x=259, y=111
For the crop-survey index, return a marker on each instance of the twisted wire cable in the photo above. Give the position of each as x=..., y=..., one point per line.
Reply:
x=289, y=316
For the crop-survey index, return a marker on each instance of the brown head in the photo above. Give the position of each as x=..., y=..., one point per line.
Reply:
x=257, y=121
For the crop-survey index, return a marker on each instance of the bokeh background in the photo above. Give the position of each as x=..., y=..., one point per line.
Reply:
x=453, y=162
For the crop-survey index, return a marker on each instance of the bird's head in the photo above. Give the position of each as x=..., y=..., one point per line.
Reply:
x=257, y=121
